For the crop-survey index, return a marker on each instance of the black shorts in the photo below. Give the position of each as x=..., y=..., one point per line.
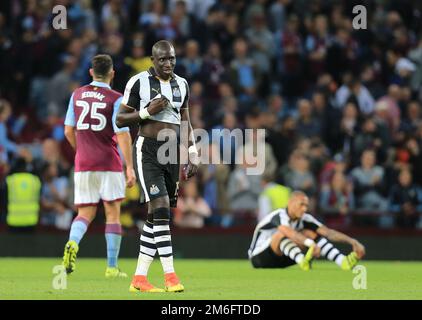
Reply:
x=268, y=259
x=155, y=179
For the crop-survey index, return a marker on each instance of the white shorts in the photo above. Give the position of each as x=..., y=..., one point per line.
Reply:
x=93, y=186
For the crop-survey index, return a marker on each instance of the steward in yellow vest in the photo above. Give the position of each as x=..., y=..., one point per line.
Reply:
x=273, y=197
x=23, y=193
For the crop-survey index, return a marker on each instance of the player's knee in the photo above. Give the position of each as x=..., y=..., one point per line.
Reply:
x=112, y=217
x=112, y=211
x=161, y=202
x=87, y=213
x=161, y=214
x=309, y=233
x=275, y=242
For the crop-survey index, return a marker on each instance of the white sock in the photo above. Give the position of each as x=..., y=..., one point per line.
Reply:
x=329, y=251
x=290, y=249
x=144, y=261
x=167, y=263
x=339, y=259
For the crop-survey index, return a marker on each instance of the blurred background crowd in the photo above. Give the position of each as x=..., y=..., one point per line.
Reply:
x=341, y=107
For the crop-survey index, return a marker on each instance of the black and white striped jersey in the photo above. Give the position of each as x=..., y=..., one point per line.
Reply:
x=145, y=86
x=268, y=226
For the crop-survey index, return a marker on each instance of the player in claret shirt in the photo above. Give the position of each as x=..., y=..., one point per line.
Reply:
x=90, y=129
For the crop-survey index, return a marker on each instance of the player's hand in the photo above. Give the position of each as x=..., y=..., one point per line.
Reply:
x=190, y=170
x=130, y=177
x=157, y=105
x=359, y=249
x=192, y=167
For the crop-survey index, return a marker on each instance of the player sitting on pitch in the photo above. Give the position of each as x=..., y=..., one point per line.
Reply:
x=280, y=238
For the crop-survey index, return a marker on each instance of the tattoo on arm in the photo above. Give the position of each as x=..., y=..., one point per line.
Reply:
x=337, y=236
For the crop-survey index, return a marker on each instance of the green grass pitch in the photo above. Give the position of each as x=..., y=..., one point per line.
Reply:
x=32, y=278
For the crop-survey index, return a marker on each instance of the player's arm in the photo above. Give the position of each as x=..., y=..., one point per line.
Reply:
x=295, y=236
x=337, y=236
x=69, y=124
x=193, y=159
x=128, y=116
x=129, y=113
x=124, y=140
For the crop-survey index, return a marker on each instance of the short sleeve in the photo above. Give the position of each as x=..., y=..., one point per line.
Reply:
x=284, y=220
x=309, y=222
x=187, y=95
x=115, y=111
x=131, y=96
x=70, y=114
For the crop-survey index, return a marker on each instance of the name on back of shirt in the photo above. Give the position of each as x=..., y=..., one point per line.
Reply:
x=93, y=94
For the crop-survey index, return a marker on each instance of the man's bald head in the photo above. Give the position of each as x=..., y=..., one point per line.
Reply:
x=297, y=205
x=162, y=45
x=297, y=194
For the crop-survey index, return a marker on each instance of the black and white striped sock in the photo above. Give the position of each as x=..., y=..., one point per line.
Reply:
x=147, y=248
x=162, y=238
x=290, y=249
x=329, y=251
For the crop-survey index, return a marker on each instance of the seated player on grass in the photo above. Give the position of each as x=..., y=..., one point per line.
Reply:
x=280, y=239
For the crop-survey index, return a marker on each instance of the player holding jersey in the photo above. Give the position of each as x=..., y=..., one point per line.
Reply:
x=90, y=129
x=280, y=238
x=158, y=101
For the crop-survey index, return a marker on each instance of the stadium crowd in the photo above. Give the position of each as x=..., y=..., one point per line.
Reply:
x=341, y=107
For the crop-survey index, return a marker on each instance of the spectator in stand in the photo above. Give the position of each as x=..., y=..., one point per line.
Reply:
x=214, y=177
x=354, y=90
x=413, y=118
x=368, y=184
x=157, y=23
x=402, y=66
x=59, y=88
x=337, y=165
x=6, y=144
x=337, y=196
x=405, y=201
x=349, y=125
x=244, y=74
x=55, y=211
x=289, y=51
x=373, y=135
x=261, y=42
x=222, y=136
x=389, y=104
x=212, y=70
x=282, y=140
x=243, y=191
x=301, y=178
x=415, y=151
x=316, y=45
x=192, y=62
x=192, y=209
x=308, y=125
x=138, y=61
x=277, y=14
